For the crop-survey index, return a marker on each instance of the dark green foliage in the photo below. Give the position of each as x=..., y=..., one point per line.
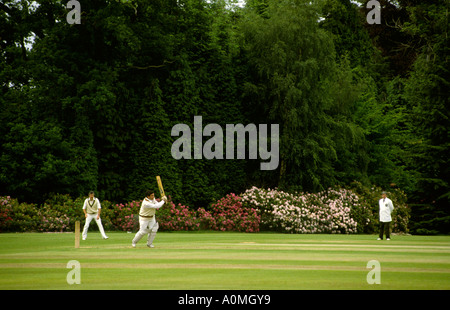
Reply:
x=427, y=96
x=290, y=61
x=91, y=106
x=102, y=97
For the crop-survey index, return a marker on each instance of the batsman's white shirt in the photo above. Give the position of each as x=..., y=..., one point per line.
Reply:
x=386, y=207
x=148, y=207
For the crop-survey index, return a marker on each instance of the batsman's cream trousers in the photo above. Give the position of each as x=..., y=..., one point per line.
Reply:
x=89, y=218
x=147, y=226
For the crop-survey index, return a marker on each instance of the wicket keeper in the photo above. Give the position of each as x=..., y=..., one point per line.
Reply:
x=92, y=210
x=147, y=220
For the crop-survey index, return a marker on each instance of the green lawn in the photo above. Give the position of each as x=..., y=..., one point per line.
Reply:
x=215, y=260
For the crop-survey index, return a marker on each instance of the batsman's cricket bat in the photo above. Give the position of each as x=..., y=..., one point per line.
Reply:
x=160, y=186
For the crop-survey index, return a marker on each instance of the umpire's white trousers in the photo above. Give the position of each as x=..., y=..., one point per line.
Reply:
x=89, y=218
x=147, y=226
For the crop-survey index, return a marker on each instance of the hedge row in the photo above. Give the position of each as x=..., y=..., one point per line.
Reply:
x=331, y=211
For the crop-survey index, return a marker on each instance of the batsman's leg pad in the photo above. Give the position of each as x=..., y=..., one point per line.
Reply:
x=152, y=234
x=137, y=237
x=143, y=230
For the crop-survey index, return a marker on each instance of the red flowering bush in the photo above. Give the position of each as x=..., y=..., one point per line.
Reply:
x=228, y=214
x=5, y=213
x=126, y=216
x=173, y=217
x=206, y=219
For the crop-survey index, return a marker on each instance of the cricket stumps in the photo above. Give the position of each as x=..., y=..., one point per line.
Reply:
x=77, y=234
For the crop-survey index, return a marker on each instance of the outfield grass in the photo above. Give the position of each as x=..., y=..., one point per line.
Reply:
x=216, y=260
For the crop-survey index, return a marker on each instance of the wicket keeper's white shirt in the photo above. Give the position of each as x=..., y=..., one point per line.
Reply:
x=386, y=207
x=148, y=207
x=92, y=206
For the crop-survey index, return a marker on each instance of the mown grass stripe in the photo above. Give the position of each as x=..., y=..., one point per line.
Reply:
x=224, y=261
x=218, y=266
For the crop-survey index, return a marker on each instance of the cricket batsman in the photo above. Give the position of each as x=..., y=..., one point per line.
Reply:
x=147, y=220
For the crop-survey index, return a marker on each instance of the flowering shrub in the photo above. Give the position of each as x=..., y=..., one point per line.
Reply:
x=53, y=220
x=173, y=217
x=337, y=205
x=126, y=216
x=5, y=213
x=228, y=214
x=63, y=205
x=325, y=212
x=25, y=217
x=330, y=211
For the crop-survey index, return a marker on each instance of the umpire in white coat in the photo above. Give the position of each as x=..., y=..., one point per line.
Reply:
x=386, y=207
x=147, y=221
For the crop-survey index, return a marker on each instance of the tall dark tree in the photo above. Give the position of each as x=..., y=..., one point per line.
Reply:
x=427, y=97
x=294, y=81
